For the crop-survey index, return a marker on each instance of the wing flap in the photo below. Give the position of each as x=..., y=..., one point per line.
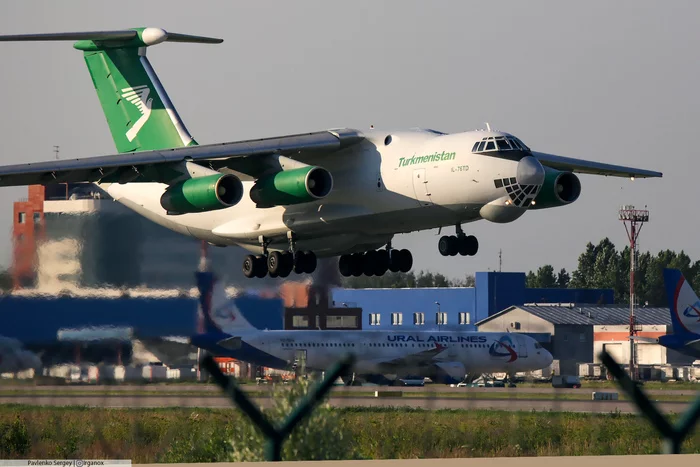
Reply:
x=592, y=168
x=149, y=166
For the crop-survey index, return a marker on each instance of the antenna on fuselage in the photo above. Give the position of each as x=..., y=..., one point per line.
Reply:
x=488, y=127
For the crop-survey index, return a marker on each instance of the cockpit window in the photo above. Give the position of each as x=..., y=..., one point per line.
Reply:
x=499, y=143
x=537, y=345
x=503, y=145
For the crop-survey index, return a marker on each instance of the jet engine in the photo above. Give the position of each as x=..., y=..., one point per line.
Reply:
x=201, y=194
x=294, y=186
x=559, y=189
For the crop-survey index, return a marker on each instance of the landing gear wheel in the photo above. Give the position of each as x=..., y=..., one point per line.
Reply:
x=444, y=245
x=299, y=262
x=453, y=245
x=405, y=260
x=286, y=264
x=369, y=261
x=356, y=261
x=275, y=262
x=472, y=245
x=260, y=267
x=310, y=262
x=394, y=261
x=345, y=266
x=249, y=266
x=381, y=262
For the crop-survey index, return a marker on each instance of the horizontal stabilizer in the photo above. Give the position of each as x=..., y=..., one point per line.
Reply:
x=137, y=36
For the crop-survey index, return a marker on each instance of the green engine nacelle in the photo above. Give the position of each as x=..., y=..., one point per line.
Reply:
x=293, y=186
x=202, y=194
x=559, y=189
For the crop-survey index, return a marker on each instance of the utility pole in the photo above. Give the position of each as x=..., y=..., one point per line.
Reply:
x=636, y=219
x=55, y=151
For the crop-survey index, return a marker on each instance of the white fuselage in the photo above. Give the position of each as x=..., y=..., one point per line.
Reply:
x=420, y=180
x=463, y=352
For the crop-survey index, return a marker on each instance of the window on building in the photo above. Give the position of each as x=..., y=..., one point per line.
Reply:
x=22, y=217
x=374, y=319
x=396, y=319
x=418, y=319
x=300, y=321
x=464, y=318
x=515, y=325
x=441, y=317
x=341, y=322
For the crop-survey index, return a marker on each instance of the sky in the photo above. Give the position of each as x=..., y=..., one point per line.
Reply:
x=613, y=82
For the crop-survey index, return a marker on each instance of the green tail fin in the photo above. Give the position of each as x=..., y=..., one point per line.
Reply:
x=139, y=113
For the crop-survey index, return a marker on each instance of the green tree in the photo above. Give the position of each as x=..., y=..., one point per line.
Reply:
x=531, y=281
x=582, y=275
x=545, y=277
x=563, y=279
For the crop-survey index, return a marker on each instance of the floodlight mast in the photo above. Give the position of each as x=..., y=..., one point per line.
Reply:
x=636, y=219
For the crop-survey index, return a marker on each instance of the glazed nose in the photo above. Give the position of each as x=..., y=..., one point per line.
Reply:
x=529, y=171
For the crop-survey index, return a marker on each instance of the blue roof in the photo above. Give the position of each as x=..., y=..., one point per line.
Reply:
x=599, y=315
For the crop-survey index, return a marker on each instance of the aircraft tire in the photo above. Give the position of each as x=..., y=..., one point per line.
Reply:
x=453, y=245
x=369, y=261
x=345, y=266
x=444, y=245
x=275, y=262
x=260, y=266
x=310, y=262
x=249, y=266
x=299, y=262
x=394, y=261
x=406, y=260
x=286, y=264
x=473, y=245
x=382, y=262
x=356, y=261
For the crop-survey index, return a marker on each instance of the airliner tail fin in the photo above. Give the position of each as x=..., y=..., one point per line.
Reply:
x=683, y=303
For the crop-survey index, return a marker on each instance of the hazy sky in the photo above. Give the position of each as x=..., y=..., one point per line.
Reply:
x=610, y=81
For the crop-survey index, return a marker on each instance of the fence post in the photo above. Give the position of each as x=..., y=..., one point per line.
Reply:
x=673, y=435
x=275, y=437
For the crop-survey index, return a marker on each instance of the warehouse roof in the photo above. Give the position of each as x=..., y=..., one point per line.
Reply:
x=594, y=315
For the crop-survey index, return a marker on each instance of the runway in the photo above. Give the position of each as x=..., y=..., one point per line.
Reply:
x=429, y=403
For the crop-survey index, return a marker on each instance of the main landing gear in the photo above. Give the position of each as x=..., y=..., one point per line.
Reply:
x=279, y=263
x=375, y=262
x=465, y=245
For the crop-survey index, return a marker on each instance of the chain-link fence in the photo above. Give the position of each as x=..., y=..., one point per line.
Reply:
x=219, y=420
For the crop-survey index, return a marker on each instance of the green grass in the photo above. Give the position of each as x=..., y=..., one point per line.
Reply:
x=201, y=435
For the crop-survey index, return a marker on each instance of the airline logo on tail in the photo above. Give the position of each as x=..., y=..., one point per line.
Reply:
x=139, y=97
x=504, y=348
x=685, y=304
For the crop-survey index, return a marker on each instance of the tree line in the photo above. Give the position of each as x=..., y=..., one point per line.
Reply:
x=600, y=266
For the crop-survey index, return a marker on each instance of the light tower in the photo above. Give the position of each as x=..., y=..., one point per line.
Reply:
x=635, y=218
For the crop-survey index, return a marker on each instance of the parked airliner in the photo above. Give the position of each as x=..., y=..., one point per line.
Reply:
x=441, y=356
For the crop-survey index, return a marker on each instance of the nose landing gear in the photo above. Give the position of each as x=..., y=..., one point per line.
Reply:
x=465, y=245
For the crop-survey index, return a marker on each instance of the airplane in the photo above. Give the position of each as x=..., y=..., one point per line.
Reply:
x=684, y=306
x=443, y=356
x=289, y=200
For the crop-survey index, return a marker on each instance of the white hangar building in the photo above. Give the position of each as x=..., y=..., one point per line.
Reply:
x=577, y=334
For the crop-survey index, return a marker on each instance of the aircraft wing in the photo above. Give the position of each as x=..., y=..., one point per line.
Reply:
x=593, y=168
x=247, y=157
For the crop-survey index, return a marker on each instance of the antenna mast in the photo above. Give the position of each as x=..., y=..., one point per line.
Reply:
x=636, y=219
x=500, y=259
x=55, y=151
